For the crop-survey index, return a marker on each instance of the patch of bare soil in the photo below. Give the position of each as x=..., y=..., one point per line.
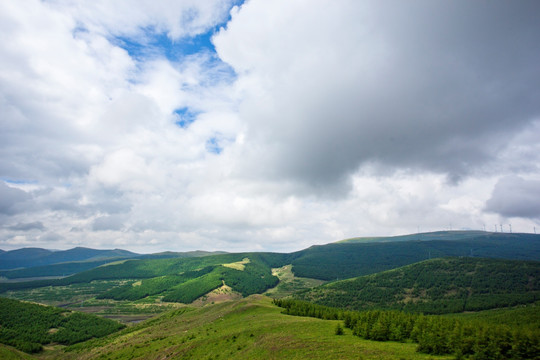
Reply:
x=221, y=294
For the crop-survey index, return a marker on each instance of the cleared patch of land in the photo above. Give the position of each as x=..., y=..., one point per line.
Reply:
x=239, y=265
x=289, y=284
x=221, y=294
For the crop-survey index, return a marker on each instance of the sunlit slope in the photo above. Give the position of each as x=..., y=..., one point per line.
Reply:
x=251, y=328
x=437, y=286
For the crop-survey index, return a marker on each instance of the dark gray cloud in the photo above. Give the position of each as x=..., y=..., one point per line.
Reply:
x=36, y=225
x=430, y=85
x=11, y=199
x=514, y=196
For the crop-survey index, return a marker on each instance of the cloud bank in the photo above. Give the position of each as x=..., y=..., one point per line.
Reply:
x=222, y=125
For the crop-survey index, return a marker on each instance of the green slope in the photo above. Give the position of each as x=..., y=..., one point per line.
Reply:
x=251, y=328
x=437, y=286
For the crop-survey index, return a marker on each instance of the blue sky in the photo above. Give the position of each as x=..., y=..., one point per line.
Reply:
x=265, y=125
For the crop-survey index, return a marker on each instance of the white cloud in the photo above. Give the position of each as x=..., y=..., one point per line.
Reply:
x=514, y=196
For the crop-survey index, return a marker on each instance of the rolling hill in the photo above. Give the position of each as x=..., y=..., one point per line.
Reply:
x=250, y=328
x=437, y=286
x=323, y=262
x=435, y=273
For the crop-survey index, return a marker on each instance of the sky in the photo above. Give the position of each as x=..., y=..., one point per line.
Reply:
x=153, y=125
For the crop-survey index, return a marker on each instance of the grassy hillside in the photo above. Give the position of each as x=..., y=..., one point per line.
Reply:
x=437, y=286
x=338, y=261
x=10, y=353
x=250, y=328
x=27, y=326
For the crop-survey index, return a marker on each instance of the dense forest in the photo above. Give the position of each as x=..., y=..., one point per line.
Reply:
x=436, y=286
x=434, y=334
x=254, y=277
x=28, y=326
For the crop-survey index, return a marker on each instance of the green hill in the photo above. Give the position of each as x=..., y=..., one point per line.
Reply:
x=345, y=260
x=28, y=326
x=177, y=280
x=436, y=286
x=251, y=328
x=182, y=279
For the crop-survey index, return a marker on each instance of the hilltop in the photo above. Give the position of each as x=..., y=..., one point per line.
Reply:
x=251, y=328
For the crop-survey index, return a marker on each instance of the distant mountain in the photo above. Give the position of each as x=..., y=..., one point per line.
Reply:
x=31, y=257
x=435, y=235
x=351, y=258
x=445, y=285
x=64, y=266
x=335, y=261
x=172, y=254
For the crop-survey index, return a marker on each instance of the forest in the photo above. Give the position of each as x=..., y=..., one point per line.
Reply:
x=186, y=287
x=437, y=286
x=28, y=326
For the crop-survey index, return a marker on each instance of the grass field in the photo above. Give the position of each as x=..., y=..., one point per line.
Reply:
x=250, y=328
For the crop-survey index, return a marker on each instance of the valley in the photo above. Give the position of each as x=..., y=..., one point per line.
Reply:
x=220, y=305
